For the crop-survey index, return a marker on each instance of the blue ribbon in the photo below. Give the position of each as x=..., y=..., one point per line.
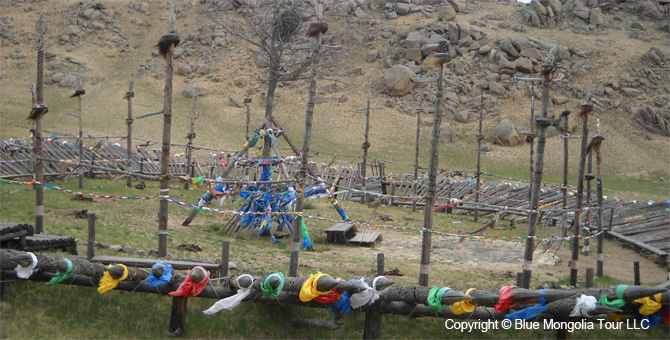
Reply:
x=342, y=305
x=530, y=312
x=650, y=321
x=165, y=278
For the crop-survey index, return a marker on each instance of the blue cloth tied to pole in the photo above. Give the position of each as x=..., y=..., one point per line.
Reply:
x=163, y=279
x=530, y=312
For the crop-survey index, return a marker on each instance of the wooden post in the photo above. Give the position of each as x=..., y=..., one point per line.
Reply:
x=178, y=315
x=589, y=277
x=365, y=147
x=586, y=108
x=380, y=264
x=600, y=258
x=419, y=109
x=373, y=322
x=80, y=141
x=225, y=258
x=531, y=135
x=247, y=103
x=519, y=279
x=190, y=170
x=90, y=250
x=548, y=70
x=636, y=273
x=424, y=270
x=169, y=41
x=38, y=110
x=480, y=137
x=566, y=136
x=306, y=138
x=129, y=139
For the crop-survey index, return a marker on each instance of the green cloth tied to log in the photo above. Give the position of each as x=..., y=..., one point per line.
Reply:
x=59, y=277
x=267, y=289
x=435, y=298
x=618, y=303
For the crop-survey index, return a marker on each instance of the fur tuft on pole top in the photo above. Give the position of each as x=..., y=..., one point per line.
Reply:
x=287, y=24
x=167, y=43
x=77, y=93
x=128, y=95
x=317, y=27
x=38, y=111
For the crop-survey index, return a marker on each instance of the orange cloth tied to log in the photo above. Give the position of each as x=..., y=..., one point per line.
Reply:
x=188, y=288
x=506, y=299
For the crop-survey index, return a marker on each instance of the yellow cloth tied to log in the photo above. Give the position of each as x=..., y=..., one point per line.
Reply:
x=649, y=305
x=462, y=307
x=308, y=291
x=108, y=283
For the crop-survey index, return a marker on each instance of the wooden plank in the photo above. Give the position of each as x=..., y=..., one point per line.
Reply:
x=340, y=232
x=366, y=239
x=638, y=243
x=148, y=263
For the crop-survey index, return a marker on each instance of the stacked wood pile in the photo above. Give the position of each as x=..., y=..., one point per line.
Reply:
x=22, y=236
x=104, y=156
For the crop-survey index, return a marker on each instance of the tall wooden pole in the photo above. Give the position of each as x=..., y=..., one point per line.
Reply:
x=600, y=258
x=426, y=242
x=189, y=147
x=80, y=141
x=531, y=135
x=566, y=136
x=479, y=136
x=365, y=146
x=170, y=40
x=306, y=138
x=586, y=108
x=419, y=109
x=38, y=110
x=247, y=103
x=129, y=124
x=548, y=70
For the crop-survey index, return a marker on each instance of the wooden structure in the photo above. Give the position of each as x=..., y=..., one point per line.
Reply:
x=22, y=236
x=404, y=300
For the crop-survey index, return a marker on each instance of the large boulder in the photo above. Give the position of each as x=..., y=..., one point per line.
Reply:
x=656, y=121
x=446, y=13
x=196, y=91
x=447, y=135
x=397, y=80
x=505, y=133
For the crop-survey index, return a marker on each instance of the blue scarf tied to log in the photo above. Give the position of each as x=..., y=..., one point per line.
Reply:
x=163, y=279
x=530, y=312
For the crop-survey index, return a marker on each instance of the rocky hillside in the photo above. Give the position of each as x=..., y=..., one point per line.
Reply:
x=622, y=46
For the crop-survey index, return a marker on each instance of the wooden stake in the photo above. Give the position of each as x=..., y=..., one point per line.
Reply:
x=306, y=138
x=90, y=251
x=129, y=139
x=41, y=109
x=589, y=277
x=548, y=70
x=586, y=108
x=636, y=273
x=424, y=270
x=480, y=137
x=190, y=170
x=165, y=148
x=380, y=264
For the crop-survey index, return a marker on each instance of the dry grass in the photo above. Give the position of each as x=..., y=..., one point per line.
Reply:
x=338, y=127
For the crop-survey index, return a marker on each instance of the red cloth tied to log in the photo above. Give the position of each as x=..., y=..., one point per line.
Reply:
x=331, y=297
x=188, y=288
x=666, y=318
x=506, y=299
